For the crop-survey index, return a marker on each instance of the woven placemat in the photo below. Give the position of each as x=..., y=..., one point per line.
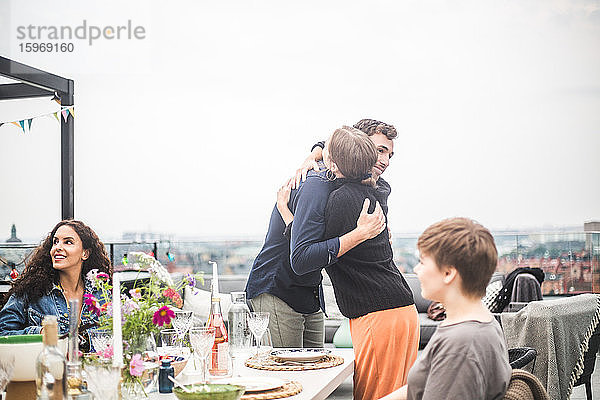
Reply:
x=287, y=390
x=271, y=364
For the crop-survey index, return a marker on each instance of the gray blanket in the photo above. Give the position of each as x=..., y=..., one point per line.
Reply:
x=560, y=331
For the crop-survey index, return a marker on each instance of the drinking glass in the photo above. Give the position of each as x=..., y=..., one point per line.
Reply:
x=101, y=339
x=202, y=340
x=266, y=345
x=258, y=322
x=182, y=323
x=7, y=365
x=168, y=338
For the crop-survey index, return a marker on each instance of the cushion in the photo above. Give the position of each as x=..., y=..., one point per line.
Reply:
x=342, y=337
x=415, y=286
x=198, y=301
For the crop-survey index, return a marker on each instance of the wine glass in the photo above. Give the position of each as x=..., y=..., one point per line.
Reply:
x=182, y=323
x=7, y=365
x=101, y=339
x=258, y=323
x=202, y=340
x=266, y=345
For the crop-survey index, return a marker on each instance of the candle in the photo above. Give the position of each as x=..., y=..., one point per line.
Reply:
x=117, y=333
x=215, y=280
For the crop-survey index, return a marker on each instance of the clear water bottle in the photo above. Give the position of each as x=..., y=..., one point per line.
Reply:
x=239, y=333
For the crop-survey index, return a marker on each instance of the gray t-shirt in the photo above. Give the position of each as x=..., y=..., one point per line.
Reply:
x=467, y=360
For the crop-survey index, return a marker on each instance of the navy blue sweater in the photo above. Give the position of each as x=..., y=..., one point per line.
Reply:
x=272, y=272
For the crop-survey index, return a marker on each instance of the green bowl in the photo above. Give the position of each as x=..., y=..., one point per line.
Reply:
x=209, y=391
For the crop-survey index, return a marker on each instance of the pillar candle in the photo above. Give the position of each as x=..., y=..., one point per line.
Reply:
x=117, y=333
x=215, y=280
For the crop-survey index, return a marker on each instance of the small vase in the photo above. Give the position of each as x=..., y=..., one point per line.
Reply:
x=145, y=384
x=132, y=390
x=103, y=380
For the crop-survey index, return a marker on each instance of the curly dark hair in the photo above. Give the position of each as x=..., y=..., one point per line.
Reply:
x=372, y=126
x=34, y=281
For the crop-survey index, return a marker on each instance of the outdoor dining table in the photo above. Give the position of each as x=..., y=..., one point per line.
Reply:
x=316, y=383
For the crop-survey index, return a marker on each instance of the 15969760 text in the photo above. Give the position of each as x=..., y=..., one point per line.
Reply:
x=49, y=47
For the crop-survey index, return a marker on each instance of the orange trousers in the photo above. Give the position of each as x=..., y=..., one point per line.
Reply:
x=385, y=347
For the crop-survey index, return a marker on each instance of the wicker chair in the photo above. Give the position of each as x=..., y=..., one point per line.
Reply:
x=519, y=357
x=525, y=386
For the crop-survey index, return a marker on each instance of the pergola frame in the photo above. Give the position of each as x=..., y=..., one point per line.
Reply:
x=38, y=83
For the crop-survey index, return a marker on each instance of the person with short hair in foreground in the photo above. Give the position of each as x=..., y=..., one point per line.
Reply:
x=466, y=357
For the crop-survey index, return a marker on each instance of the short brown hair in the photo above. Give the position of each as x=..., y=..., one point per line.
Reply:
x=353, y=153
x=467, y=246
x=372, y=126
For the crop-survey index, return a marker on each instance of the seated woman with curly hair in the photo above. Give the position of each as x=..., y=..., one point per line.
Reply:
x=55, y=274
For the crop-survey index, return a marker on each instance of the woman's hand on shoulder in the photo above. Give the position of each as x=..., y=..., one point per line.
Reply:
x=309, y=163
x=372, y=224
x=283, y=197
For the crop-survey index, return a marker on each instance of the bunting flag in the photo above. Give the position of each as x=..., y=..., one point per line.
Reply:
x=25, y=124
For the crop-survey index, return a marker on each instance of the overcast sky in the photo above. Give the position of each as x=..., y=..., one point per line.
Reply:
x=191, y=130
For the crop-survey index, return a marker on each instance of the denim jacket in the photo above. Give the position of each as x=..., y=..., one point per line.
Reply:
x=19, y=316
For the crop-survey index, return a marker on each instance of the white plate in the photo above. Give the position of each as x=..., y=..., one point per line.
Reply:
x=300, y=355
x=257, y=383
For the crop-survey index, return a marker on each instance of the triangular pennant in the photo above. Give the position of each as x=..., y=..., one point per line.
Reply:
x=65, y=115
x=72, y=112
x=16, y=124
x=56, y=116
x=29, y=123
x=22, y=123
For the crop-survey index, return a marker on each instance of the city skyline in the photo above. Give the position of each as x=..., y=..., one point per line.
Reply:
x=192, y=129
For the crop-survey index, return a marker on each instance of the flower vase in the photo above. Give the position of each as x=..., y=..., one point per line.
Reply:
x=103, y=380
x=136, y=387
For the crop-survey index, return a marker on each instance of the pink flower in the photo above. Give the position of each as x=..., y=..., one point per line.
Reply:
x=163, y=316
x=92, y=303
x=129, y=307
x=135, y=293
x=106, y=353
x=102, y=275
x=174, y=296
x=136, y=365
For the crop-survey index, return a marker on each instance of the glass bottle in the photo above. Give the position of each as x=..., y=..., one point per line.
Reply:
x=51, y=364
x=219, y=361
x=239, y=333
x=75, y=386
x=166, y=370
